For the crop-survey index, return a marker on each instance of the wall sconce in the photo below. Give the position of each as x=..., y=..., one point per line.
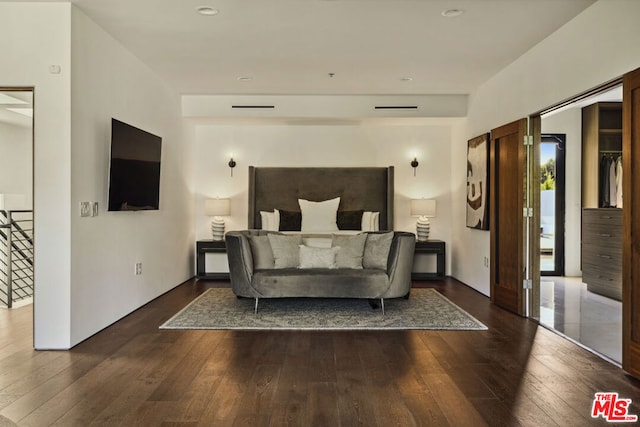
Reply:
x=414, y=165
x=217, y=208
x=424, y=209
x=232, y=164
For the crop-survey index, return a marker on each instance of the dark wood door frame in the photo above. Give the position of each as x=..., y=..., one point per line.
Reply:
x=558, y=250
x=631, y=223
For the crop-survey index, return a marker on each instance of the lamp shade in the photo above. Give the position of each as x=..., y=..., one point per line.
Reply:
x=217, y=207
x=423, y=207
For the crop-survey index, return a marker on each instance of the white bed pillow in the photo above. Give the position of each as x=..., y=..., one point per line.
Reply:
x=319, y=216
x=270, y=220
x=370, y=221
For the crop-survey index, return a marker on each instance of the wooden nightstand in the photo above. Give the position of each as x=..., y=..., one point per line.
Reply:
x=204, y=247
x=436, y=247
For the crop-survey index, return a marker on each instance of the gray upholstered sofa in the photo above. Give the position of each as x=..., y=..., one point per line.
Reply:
x=394, y=281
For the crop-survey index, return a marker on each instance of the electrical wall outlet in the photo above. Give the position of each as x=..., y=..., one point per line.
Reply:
x=138, y=268
x=486, y=262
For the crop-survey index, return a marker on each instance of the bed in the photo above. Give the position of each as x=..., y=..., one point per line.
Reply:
x=267, y=263
x=359, y=188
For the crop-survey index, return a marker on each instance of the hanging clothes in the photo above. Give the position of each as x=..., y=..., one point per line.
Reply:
x=613, y=196
x=605, y=194
x=619, y=182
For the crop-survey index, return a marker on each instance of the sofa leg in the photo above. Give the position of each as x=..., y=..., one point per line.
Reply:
x=382, y=305
x=255, y=309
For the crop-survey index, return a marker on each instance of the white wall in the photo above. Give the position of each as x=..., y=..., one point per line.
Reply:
x=108, y=81
x=598, y=45
x=469, y=246
x=32, y=37
x=569, y=122
x=16, y=162
x=366, y=144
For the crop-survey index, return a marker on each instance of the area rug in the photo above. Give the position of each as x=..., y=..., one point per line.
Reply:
x=218, y=308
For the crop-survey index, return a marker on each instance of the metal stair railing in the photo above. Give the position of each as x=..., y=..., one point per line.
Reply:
x=16, y=256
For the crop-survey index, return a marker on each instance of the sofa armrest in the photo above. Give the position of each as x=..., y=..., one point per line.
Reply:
x=240, y=263
x=400, y=264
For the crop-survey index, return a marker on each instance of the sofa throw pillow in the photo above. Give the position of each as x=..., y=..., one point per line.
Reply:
x=262, y=253
x=285, y=250
x=311, y=257
x=376, y=250
x=319, y=216
x=350, y=220
x=290, y=220
x=351, y=250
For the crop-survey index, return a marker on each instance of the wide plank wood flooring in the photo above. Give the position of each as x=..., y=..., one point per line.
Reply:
x=133, y=374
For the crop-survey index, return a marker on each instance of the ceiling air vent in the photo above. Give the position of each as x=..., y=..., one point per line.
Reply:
x=396, y=107
x=252, y=106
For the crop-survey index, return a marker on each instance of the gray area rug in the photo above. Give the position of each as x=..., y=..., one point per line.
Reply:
x=218, y=308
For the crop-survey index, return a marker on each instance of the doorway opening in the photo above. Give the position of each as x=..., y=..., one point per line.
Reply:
x=16, y=197
x=580, y=291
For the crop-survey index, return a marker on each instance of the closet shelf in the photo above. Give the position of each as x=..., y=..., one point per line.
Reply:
x=601, y=226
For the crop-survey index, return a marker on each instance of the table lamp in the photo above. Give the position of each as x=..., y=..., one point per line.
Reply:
x=217, y=208
x=423, y=209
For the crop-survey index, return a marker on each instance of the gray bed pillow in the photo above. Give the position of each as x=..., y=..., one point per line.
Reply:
x=351, y=250
x=262, y=253
x=376, y=250
x=286, y=250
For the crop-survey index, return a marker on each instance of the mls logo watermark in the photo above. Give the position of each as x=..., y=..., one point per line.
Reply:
x=612, y=408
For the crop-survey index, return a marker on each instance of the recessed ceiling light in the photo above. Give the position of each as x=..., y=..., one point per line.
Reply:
x=452, y=13
x=207, y=10
x=244, y=78
x=406, y=79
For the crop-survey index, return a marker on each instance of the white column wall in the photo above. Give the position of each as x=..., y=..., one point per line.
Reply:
x=108, y=81
x=34, y=36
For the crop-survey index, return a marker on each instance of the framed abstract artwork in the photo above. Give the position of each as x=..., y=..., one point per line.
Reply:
x=478, y=182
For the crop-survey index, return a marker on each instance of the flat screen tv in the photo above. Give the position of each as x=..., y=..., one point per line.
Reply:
x=134, y=171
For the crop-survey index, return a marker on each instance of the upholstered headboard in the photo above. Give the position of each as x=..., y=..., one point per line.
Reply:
x=366, y=188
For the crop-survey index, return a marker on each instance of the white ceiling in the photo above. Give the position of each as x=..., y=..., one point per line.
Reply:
x=291, y=46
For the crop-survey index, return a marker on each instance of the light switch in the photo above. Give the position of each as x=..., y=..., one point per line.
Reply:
x=94, y=208
x=85, y=209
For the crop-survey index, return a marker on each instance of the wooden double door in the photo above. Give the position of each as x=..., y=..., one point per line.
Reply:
x=513, y=264
x=631, y=223
x=508, y=218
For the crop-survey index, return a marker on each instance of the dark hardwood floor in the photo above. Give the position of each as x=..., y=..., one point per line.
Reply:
x=132, y=373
